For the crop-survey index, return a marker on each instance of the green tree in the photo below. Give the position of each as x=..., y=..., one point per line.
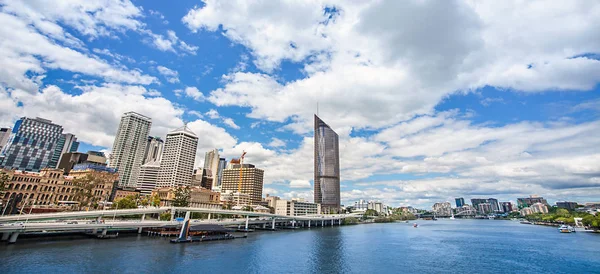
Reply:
x=165, y=216
x=371, y=212
x=155, y=200
x=182, y=197
x=144, y=201
x=86, y=185
x=350, y=221
x=125, y=203
x=561, y=212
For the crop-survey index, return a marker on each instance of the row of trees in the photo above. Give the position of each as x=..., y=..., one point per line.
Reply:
x=564, y=216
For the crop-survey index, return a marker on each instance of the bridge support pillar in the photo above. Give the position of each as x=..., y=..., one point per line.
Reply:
x=104, y=231
x=293, y=223
x=13, y=237
x=308, y=223
x=273, y=225
x=172, y=214
x=208, y=216
x=340, y=222
x=247, y=219
x=322, y=223
x=5, y=236
x=140, y=228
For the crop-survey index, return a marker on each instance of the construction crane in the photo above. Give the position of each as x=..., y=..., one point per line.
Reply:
x=241, y=172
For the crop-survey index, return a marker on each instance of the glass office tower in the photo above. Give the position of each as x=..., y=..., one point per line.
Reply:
x=327, y=167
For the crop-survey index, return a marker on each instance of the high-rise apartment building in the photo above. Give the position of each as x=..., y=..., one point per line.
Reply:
x=153, y=151
x=66, y=143
x=532, y=199
x=327, y=167
x=4, y=135
x=179, y=154
x=460, y=202
x=494, y=204
x=148, y=178
x=222, y=165
x=211, y=165
x=31, y=144
x=129, y=147
x=252, y=181
x=506, y=207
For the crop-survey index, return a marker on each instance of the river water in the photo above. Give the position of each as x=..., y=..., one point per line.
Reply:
x=444, y=246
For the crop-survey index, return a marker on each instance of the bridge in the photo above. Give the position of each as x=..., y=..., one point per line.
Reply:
x=13, y=225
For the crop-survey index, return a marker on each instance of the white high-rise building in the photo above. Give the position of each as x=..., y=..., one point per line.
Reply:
x=129, y=147
x=154, y=148
x=179, y=154
x=211, y=163
x=148, y=177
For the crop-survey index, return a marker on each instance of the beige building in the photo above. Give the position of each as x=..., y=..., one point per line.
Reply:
x=124, y=192
x=296, y=207
x=51, y=187
x=105, y=181
x=199, y=197
x=271, y=200
x=539, y=208
x=230, y=198
x=252, y=181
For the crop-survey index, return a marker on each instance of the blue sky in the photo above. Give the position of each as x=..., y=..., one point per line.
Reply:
x=431, y=100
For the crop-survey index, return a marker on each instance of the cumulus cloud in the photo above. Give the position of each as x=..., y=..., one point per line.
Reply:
x=406, y=70
x=170, y=42
x=300, y=184
x=191, y=92
x=171, y=75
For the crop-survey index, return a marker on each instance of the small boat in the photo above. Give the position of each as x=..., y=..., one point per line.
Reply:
x=566, y=229
x=452, y=217
x=526, y=222
x=415, y=225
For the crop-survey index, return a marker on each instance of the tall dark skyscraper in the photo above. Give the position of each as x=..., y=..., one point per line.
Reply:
x=327, y=167
x=460, y=202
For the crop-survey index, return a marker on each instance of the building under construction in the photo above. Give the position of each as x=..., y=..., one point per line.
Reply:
x=251, y=182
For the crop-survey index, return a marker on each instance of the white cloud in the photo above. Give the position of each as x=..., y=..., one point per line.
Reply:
x=171, y=75
x=89, y=118
x=191, y=92
x=300, y=184
x=213, y=114
x=406, y=70
x=31, y=53
x=170, y=42
x=229, y=122
x=276, y=142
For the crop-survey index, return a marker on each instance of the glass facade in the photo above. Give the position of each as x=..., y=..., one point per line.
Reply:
x=327, y=167
x=31, y=144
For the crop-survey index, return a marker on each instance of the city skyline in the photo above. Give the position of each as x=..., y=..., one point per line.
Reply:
x=461, y=106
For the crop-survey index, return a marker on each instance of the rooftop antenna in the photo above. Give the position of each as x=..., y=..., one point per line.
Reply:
x=317, y=108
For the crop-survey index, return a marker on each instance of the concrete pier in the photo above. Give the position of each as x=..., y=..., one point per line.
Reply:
x=13, y=238
x=5, y=236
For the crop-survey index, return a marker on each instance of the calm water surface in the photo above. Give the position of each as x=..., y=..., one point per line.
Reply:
x=445, y=246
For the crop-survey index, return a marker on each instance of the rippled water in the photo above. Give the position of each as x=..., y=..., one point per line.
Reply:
x=445, y=246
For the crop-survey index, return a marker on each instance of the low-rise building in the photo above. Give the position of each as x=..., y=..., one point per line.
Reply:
x=199, y=197
x=567, y=205
x=271, y=200
x=295, y=207
x=124, y=192
x=442, y=209
x=230, y=198
x=50, y=187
